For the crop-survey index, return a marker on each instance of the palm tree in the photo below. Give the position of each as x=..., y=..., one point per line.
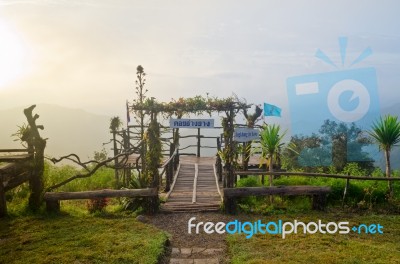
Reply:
x=271, y=144
x=386, y=133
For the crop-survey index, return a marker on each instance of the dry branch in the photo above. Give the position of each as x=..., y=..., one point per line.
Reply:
x=91, y=171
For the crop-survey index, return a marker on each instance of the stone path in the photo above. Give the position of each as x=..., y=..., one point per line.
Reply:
x=192, y=248
x=196, y=255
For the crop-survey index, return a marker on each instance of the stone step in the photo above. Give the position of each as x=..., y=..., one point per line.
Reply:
x=194, y=261
x=196, y=255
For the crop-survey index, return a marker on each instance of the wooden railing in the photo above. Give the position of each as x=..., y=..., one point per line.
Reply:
x=169, y=166
x=323, y=175
x=13, y=173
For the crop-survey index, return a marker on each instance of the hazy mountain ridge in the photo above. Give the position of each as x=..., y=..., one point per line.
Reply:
x=76, y=131
x=68, y=130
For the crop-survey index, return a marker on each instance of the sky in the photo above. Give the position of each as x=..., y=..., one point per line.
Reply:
x=84, y=54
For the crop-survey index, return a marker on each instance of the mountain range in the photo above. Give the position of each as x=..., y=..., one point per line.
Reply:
x=77, y=131
x=68, y=130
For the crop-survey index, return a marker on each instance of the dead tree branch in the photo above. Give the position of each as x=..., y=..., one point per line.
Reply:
x=121, y=159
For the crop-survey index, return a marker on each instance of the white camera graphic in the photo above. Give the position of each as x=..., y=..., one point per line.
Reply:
x=349, y=96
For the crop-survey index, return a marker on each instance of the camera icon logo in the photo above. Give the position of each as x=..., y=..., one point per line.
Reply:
x=348, y=96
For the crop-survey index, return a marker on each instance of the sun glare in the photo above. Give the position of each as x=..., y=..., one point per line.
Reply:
x=13, y=55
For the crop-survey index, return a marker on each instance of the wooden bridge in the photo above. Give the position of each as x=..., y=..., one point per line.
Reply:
x=195, y=187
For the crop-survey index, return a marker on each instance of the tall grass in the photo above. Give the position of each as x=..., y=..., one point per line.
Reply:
x=361, y=194
x=103, y=179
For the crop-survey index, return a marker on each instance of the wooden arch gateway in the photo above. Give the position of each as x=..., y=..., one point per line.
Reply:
x=192, y=184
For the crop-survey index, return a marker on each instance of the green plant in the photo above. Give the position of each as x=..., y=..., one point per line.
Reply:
x=97, y=205
x=271, y=144
x=354, y=169
x=386, y=133
x=134, y=203
x=115, y=123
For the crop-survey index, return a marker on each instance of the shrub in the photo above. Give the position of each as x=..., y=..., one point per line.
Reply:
x=135, y=203
x=249, y=182
x=97, y=205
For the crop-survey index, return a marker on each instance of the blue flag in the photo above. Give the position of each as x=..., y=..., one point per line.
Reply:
x=271, y=110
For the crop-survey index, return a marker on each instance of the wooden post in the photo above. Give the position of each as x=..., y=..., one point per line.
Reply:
x=219, y=161
x=319, y=202
x=176, y=159
x=116, y=161
x=3, y=205
x=169, y=167
x=38, y=144
x=345, y=191
x=229, y=149
x=198, y=142
x=127, y=168
x=53, y=206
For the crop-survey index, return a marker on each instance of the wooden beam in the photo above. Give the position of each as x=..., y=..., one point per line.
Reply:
x=309, y=174
x=10, y=171
x=196, y=174
x=14, y=158
x=275, y=190
x=17, y=180
x=7, y=170
x=55, y=196
x=14, y=150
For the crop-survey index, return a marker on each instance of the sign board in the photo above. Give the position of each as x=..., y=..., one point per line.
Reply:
x=243, y=134
x=191, y=123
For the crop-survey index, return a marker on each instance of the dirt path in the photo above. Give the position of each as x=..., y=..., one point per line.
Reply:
x=193, y=248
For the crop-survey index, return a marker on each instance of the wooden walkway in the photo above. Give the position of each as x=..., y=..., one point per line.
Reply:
x=195, y=188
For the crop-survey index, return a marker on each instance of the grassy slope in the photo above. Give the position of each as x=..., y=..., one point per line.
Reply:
x=86, y=239
x=319, y=248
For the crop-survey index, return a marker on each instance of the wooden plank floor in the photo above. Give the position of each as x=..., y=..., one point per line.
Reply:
x=184, y=199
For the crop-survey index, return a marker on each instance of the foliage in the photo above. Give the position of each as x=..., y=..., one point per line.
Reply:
x=140, y=91
x=336, y=145
x=153, y=153
x=115, y=123
x=249, y=182
x=271, y=143
x=370, y=193
x=386, y=133
x=248, y=203
x=229, y=154
x=96, y=205
x=102, y=179
x=290, y=158
x=354, y=169
x=100, y=156
x=347, y=141
x=134, y=203
x=197, y=105
x=22, y=134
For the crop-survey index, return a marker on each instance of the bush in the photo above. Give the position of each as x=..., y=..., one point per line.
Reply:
x=249, y=182
x=97, y=205
x=247, y=204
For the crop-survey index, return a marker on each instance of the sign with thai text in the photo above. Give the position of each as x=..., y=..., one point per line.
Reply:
x=243, y=134
x=191, y=123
